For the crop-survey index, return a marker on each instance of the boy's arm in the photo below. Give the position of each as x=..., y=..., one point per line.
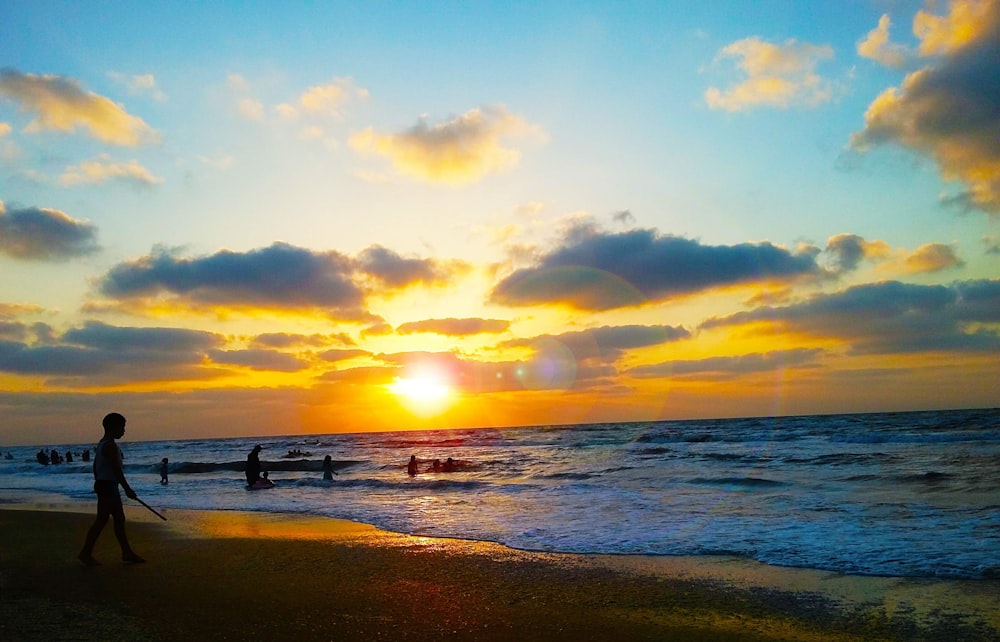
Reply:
x=111, y=454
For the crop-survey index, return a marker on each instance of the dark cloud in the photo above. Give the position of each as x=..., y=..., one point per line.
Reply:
x=600, y=271
x=892, y=317
x=342, y=355
x=392, y=270
x=606, y=343
x=287, y=340
x=100, y=352
x=278, y=276
x=455, y=327
x=44, y=234
x=259, y=359
x=716, y=367
x=950, y=111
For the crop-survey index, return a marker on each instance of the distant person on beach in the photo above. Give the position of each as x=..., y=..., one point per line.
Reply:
x=449, y=465
x=55, y=457
x=253, y=466
x=42, y=458
x=86, y=455
x=436, y=466
x=109, y=474
x=69, y=456
x=163, y=471
x=328, y=471
x=411, y=468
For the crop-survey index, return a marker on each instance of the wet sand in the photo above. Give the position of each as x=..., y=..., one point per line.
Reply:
x=244, y=576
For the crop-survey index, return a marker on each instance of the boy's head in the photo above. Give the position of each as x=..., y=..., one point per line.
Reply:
x=114, y=424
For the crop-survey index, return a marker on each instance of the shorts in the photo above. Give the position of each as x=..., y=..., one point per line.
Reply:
x=108, y=489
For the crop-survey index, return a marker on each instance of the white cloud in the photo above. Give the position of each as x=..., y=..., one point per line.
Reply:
x=777, y=75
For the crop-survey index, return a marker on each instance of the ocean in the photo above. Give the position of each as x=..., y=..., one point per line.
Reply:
x=913, y=494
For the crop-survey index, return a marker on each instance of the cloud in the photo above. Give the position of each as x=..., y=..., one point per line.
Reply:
x=97, y=351
x=931, y=257
x=44, y=234
x=877, y=47
x=392, y=270
x=846, y=251
x=342, y=354
x=329, y=99
x=601, y=271
x=277, y=277
x=461, y=150
x=605, y=344
x=890, y=317
x=257, y=359
x=778, y=75
x=287, y=340
x=62, y=104
x=948, y=110
x=251, y=109
x=4, y=129
x=139, y=84
x=728, y=367
x=102, y=169
x=455, y=327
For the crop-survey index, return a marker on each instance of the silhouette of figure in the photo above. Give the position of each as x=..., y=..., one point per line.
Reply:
x=436, y=466
x=55, y=457
x=163, y=471
x=253, y=466
x=328, y=471
x=109, y=474
x=86, y=455
x=263, y=482
x=411, y=468
x=42, y=458
x=69, y=456
x=449, y=465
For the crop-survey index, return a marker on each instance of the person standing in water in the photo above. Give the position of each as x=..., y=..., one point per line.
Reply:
x=109, y=474
x=253, y=466
x=328, y=471
x=163, y=470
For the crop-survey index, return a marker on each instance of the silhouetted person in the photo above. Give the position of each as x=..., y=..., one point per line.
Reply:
x=264, y=482
x=86, y=455
x=449, y=465
x=109, y=474
x=411, y=468
x=42, y=458
x=55, y=457
x=163, y=471
x=328, y=471
x=253, y=466
x=69, y=457
x=436, y=466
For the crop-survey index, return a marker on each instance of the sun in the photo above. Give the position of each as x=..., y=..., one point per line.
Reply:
x=422, y=394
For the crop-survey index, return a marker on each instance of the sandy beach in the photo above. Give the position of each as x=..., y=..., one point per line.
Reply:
x=247, y=576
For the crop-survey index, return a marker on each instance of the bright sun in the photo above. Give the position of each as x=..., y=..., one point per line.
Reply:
x=422, y=395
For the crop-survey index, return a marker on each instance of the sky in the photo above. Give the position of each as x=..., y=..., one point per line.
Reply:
x=234, y=219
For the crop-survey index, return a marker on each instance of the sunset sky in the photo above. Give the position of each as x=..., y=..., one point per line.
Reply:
x=284, y=218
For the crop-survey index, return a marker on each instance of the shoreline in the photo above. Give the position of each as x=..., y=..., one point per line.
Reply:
x=274, y=576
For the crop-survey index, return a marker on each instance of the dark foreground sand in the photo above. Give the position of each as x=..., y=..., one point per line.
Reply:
x=238, y=576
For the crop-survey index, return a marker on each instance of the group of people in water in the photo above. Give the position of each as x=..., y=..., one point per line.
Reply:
x=413, y=466
x=54, y=457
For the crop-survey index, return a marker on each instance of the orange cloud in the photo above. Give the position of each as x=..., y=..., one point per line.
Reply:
x=102, y=169
x=464, y=149
x=778, y=75
x=62, y=104
x=948, y=110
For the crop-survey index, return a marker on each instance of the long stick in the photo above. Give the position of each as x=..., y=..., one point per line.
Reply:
x=153, y=510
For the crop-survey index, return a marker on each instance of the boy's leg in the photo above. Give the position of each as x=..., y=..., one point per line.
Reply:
x=103, y=513
x=118, y=513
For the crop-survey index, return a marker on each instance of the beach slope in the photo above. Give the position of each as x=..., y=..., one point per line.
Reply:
x=227, y=576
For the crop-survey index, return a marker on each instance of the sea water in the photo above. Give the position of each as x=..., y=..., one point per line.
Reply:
x=897, y=494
